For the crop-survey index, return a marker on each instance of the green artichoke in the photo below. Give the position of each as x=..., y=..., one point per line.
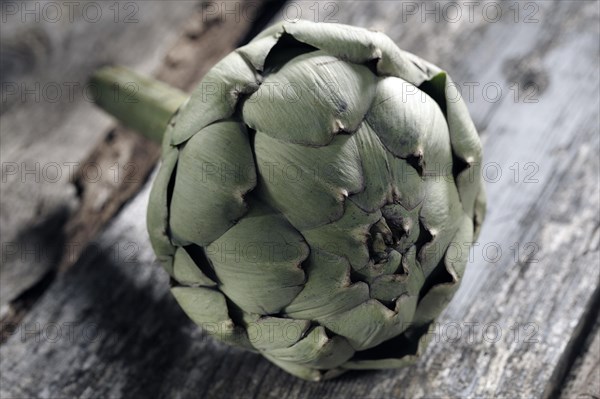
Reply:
x=315, y=197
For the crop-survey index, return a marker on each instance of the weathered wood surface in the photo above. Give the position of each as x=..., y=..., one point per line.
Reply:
x=49, y=125
x=70, y=211
x=584, y=379
x=121, y=333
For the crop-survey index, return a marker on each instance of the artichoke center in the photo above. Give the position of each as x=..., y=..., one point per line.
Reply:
x=390, y=233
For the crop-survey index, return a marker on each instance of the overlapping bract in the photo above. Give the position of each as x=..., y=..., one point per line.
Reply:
x=310, y=192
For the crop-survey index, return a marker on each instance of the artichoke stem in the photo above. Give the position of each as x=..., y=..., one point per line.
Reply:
x=137, y=101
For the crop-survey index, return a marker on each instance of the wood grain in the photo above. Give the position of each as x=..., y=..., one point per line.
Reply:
x=49, y=125
x=59, y=219
x=131, y=339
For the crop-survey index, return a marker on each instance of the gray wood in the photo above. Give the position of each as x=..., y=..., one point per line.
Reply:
x=55, y=127
x=145, y=346
x=71, y=211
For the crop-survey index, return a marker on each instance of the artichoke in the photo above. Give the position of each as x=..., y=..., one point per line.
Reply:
x=316, y=199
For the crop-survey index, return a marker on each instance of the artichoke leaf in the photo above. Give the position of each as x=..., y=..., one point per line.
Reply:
x=410, y=124
x=373, y=271
x=215, y=170
x=375, y=166
x=261, y=274
x=405, y=280
x=388, y=288
x=345, y=237
x=346, y=42
x=257, y=50
x=316, y=350
x=157, y=219
x=267, y=333
x=389, y=179
x=408, y=188
x=307, y=184
x=187, y=272
x=359, y=46
x=328, y=289
x=416, y=277
x=466, y=145
x=208, y=309
x=371, y=323
x=335, y=94
x=455, y=260
x=441, y=214
x=216, y=97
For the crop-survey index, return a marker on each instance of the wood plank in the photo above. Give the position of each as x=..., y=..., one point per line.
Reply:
x=76, y=207
x=48, y=124
x=146, y=346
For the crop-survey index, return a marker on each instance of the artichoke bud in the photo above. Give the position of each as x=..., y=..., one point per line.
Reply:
x=314, y=256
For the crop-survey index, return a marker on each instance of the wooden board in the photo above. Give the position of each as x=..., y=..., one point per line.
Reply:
x=47, y=221
x=129, y=338
x=48, y=125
